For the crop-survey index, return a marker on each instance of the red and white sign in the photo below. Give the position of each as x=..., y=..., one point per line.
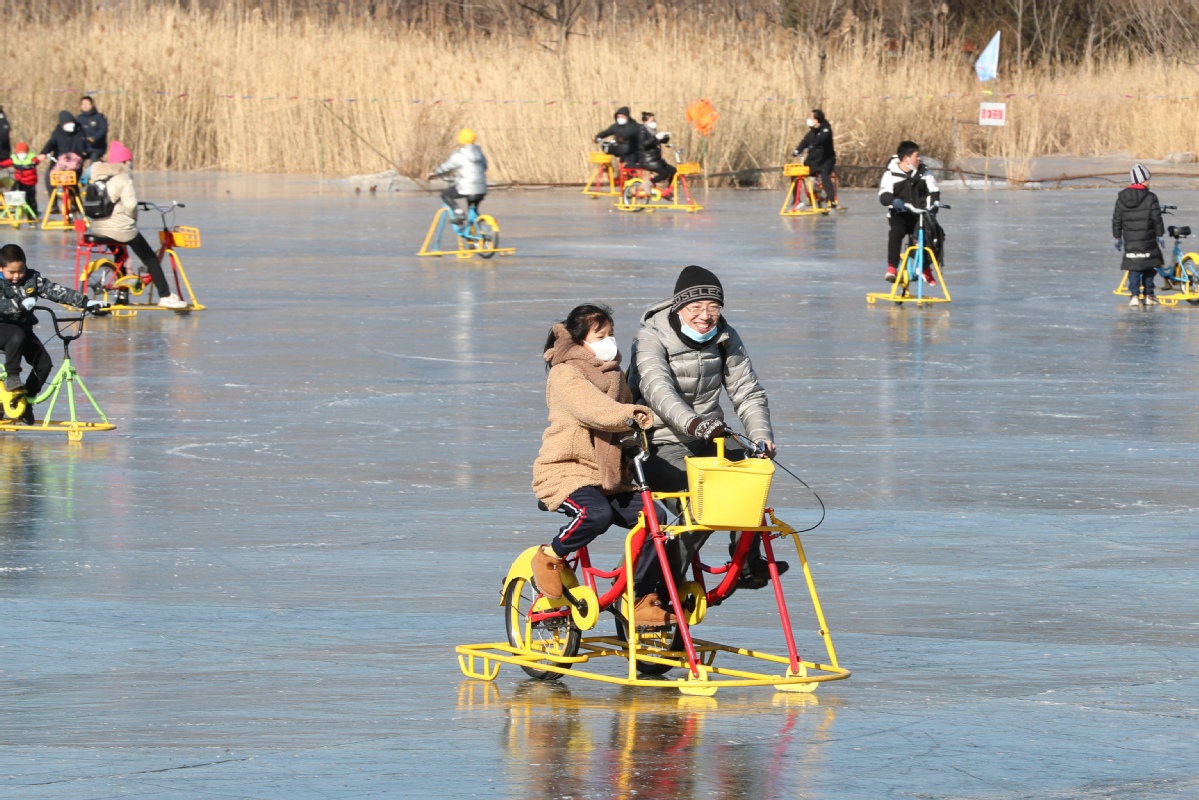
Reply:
x=992, y=114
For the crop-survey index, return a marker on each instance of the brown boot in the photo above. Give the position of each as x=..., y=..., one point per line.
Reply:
x=547, y=573
x=651, y=613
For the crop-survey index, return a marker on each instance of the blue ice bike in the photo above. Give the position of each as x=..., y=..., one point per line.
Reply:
x=476, y=234
x=919, y=266
x=1181, y=272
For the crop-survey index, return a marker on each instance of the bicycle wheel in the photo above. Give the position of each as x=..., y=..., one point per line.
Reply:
x=101, y=276
x=669, y=638
x=636, y=194
x=556, y=637
x=488, y=232
x=1191, y=274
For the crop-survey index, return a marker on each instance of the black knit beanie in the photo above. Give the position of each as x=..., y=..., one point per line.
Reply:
x=696, y=283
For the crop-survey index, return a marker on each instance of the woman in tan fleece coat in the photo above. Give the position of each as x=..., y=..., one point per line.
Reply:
x=580, y=469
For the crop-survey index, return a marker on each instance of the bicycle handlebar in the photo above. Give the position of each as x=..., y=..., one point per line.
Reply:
x=64, y=322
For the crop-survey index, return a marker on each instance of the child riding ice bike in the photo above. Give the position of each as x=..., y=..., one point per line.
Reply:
x=545, y=637
x=919, y=266
x=102, y=267
x=476, y=233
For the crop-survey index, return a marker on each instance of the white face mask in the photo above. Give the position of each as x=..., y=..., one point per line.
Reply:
x=622, y=120
x=605, y=349
x=811, y=122
x=653, y=126
x=69, y=127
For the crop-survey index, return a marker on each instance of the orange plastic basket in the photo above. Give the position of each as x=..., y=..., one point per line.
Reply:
x=596, y=157
x=690, y=168
x=185, y=238
x=63, y=177
x=796, y=170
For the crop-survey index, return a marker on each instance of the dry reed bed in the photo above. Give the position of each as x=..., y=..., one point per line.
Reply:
x=187, y=91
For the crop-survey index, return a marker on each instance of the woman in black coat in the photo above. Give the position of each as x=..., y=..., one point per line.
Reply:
x=822, y=156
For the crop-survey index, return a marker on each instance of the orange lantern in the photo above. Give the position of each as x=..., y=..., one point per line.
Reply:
x=703, y=116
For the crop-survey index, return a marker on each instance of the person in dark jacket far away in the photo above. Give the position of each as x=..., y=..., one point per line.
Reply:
x=95, y=129
x=1137, y=227
x=907, y=184
x=684, y=355
x=67, y=138
x=822, y=156
x=624, y=133
x=5, y=136
x=649, y=153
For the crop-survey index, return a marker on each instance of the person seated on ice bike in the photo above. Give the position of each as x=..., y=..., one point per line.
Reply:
x=821, y=155
x=684, y=353
x=469, y=168
x=649, y=153
x=19, y=292
x=581, y=469
x=624, y=133
x=119, y=227
x=907, y=182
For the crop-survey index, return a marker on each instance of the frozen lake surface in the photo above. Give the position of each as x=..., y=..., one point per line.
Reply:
x=253, y=587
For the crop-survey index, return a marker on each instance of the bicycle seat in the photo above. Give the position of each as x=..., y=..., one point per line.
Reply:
x=1180, y=231
x=92, y=238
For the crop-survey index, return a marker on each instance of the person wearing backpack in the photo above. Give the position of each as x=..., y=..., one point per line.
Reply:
x=120, y=225
x=24, y=167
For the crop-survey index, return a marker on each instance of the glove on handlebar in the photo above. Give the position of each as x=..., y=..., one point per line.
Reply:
x=706, y=429
x=898, y=204
x=795, y=153
x=28, y=303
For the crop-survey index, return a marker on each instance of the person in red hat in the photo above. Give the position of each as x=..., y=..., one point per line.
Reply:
x=24, y=167
x=121, y=226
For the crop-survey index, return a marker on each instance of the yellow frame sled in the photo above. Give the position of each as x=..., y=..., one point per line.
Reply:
x=15, y=211
x=64, y=189
x=639, y=194
x=1165, y=299
x=466, y=247
x=901, y=290
x=801, y=199
x=601, y=170
x=738, y=666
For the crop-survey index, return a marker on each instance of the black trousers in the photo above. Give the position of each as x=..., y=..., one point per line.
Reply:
x=825, y=171
x=145, y=253
x=662, y=172
x=20, y=342
x=30, y=197
x=904, y=224
x=623, y=151
x=450, y=196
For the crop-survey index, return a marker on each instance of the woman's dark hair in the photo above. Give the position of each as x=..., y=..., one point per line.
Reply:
x=818, y=115
x=580, y=322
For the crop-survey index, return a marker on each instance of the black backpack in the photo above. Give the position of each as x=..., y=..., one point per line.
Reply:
x=96, y=202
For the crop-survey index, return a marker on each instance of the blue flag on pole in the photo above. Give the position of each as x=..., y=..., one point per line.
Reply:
x=987, y=65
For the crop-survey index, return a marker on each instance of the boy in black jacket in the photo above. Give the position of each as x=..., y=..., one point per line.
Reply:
x=1138, y=228
x=906, y=182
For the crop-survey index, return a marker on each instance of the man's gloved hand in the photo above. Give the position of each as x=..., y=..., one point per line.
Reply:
x=96, y=305
x=1161, y=243
x=28, y=303
x=898, y=204
x=599, y=140
x=706, y=429
x=1118, y=244
x=795, y=153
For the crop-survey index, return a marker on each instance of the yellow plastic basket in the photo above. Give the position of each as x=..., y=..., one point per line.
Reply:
x=690, y=168
x=729, y=494
x=796, y=170
x=185, y=238
x=596, y=157
x=63, y=177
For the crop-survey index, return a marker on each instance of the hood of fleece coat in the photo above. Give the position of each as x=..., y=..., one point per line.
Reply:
x=64, y=117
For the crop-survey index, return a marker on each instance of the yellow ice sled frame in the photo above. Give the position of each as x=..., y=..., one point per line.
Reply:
x=639, y=194
x=910, y=276
x=1188, y=290
x=64, y=192
x=473, y=243
x=601, y=171
x=16, y=211
x=788, y=673
x=801, y=199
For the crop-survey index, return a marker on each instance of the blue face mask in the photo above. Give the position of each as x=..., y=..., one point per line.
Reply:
x=695, y=335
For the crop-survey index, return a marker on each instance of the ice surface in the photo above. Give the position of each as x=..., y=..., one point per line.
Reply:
x=253, y=587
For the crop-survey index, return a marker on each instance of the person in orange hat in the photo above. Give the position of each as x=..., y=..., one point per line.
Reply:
x=24, y=167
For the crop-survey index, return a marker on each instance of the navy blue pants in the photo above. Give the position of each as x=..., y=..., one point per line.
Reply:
x=1137, y=279
x=590, y=513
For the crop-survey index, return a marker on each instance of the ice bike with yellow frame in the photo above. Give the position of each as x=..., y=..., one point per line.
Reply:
x=1181, y=274
x=546, y=637
x=806, y=194
x=640, y=194
x=67, y=329
x=918, y=262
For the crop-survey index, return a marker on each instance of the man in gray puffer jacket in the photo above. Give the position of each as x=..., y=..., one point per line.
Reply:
x=684, y=353
x=469, y=168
